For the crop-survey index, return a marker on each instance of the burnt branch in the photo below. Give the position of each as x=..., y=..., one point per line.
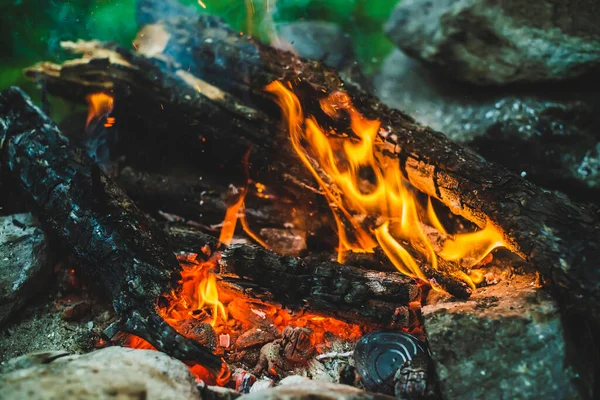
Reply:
x=118, y=247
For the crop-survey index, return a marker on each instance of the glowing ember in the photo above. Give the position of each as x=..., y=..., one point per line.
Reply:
x=373, y=204
x=99, y=105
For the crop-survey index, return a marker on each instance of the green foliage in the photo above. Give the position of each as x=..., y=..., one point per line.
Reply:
x=31, y=30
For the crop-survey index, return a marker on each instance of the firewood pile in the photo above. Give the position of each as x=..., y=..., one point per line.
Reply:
x=251, y=213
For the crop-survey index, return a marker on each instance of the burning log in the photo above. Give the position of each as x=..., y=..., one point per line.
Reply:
x=116, y=244
x=556, y=235
x=349, y=293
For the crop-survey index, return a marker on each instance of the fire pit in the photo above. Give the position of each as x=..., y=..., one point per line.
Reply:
x=278, y=230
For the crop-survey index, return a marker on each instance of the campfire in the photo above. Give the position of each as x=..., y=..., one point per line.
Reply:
x=252, y=214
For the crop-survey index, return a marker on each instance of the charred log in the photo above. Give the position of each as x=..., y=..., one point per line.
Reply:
x=195, y=198
x=349, y=293
x=118, y=247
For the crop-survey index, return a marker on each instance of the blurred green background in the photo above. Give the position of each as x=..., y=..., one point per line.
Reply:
x=31, y=30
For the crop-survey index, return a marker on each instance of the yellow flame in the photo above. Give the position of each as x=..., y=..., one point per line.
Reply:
x=373, y=205
x=250, y=232
x=471, y=248
x=208, y=296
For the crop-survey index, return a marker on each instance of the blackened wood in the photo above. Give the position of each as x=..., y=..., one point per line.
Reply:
x=117, y=246
x=350, y=293
x=197, y=197
x=191, y=198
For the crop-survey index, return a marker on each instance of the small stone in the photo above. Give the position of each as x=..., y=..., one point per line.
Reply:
x=294, y=380
x=313, y=389
x=261, y=385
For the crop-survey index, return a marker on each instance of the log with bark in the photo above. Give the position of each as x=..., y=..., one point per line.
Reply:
x=559, y=237
x=117, y=246
x=350, y=293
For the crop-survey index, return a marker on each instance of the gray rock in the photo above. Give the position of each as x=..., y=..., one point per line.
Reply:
x=314, y=389
x=110, y=373
x=506, y=342
x=547, y=135
x=31, y=360
x=318, y=40
x=25, y=262
x=492, y=42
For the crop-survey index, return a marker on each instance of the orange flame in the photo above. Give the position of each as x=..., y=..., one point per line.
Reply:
x=372, y=203
x=99, y=105
x=198, y=292
x=231, y=217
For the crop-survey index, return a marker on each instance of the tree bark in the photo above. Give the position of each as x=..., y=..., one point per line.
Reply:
x=117, y=246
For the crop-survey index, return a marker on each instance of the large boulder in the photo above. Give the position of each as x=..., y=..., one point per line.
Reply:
x=318, y=40
x=110, y=373
x=508, y=341
x=322, y=41
x=25, y=262
x=492, y=42
x=549, y=136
